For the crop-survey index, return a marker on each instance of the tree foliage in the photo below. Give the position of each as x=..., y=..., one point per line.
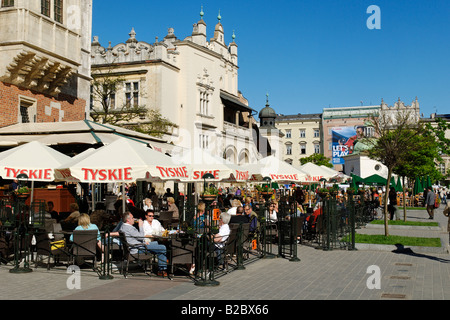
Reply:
x=395, y=139
x=318, y=159
x=105, y=85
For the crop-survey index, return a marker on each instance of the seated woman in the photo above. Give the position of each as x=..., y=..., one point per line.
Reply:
x=220, y=238
x=147, y=204
x=173, y=208
x=84, y=223
x=273, y=212
x=199, y=219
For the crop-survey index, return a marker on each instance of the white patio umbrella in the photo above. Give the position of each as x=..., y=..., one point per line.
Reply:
x=123, y=160
x=201, y=162
x=277, y=170
x=315, y=173
x=33, y=159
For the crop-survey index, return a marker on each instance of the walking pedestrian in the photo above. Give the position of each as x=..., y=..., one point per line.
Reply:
x=430, y=201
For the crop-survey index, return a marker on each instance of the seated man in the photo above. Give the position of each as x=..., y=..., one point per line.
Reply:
x=240, y=217
x=136, y=239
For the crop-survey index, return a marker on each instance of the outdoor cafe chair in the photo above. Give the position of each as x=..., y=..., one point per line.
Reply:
x=182, y=252
x=45, y=247
x=230, y=248
x=165, y=217
x=143, y=257
x=84, y=246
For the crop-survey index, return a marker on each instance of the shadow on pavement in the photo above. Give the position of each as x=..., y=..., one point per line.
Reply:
x=402, y=250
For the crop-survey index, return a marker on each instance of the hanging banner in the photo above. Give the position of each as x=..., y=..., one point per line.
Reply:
x=344, y=140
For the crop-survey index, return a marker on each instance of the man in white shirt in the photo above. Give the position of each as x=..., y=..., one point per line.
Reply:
x=152, y=227
x=136, y=239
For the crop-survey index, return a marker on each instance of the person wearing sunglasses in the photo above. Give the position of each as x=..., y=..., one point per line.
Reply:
x=152, y=227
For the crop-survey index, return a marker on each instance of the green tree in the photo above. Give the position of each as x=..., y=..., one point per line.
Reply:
x=104, y=87
x=420, y=161
x=395, y=138
x=105, y=84
x=318, y=159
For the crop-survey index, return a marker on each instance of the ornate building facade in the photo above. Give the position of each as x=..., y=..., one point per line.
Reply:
x=193, y=82
x=45, y=60
x=301, y=136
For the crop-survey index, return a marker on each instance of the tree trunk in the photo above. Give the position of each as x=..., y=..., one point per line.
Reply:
x=386, y=200
x=404, y=199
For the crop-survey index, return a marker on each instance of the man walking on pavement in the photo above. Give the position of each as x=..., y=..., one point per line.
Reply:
x=430, y=200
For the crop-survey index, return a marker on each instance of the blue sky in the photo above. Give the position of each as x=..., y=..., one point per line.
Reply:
x=310, y=54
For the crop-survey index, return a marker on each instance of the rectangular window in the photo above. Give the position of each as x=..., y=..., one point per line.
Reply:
x=58, y=7
x=24, y=114
x=112, y=101
x=7, y=3
x=132, y=94
x=288, y=149
x=45, y=7
x=316, y=133
x=302, y=133
x=303, y=149
x=204, y=103
x=203, y=141
x=288, y=134
x=317, y=148
x=27, y=110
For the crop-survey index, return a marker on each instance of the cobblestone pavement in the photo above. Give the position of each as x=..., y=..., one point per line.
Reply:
x=319, y=275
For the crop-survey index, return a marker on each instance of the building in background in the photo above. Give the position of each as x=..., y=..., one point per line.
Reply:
x=340, y=130
x=301, y=136
x=45, y=60
x=193, y=82
x=444, y=166
x=345, y=126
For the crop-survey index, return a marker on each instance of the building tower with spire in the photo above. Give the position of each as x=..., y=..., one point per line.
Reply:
x=193, y=82
x=267, y=128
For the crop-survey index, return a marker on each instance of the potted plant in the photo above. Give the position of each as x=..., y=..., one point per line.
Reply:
x=323, y=192
x=23, y=192
x=351, y=190
x=266, y=189
x=210, y=193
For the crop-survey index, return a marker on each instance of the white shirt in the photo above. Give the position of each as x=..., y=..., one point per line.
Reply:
x=145, y=208
x=224, y=232
x=154, y=229
x=232, y=211
x=273, y=216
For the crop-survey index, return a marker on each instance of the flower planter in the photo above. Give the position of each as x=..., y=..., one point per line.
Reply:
x=209, y=197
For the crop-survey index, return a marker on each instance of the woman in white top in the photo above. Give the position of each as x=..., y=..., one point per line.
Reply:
x=224, y=230
x=148, y=204
x=273, y=212
x=152, y=227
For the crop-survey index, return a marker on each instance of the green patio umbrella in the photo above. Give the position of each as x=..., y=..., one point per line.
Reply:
x=428, y=182
x=423, y=180
x=375, y=180
x=399, y=186
x=356, y=180
x=418, y=188
x=393, y=184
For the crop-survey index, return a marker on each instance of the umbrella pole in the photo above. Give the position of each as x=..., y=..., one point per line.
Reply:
x=32, y=193
x=93, y=196
x=124, y=201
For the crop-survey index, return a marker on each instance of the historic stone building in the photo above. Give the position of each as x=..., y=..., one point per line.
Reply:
x=301, y=136
x=45, y=60
x=354, y=160
x=193, y=82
